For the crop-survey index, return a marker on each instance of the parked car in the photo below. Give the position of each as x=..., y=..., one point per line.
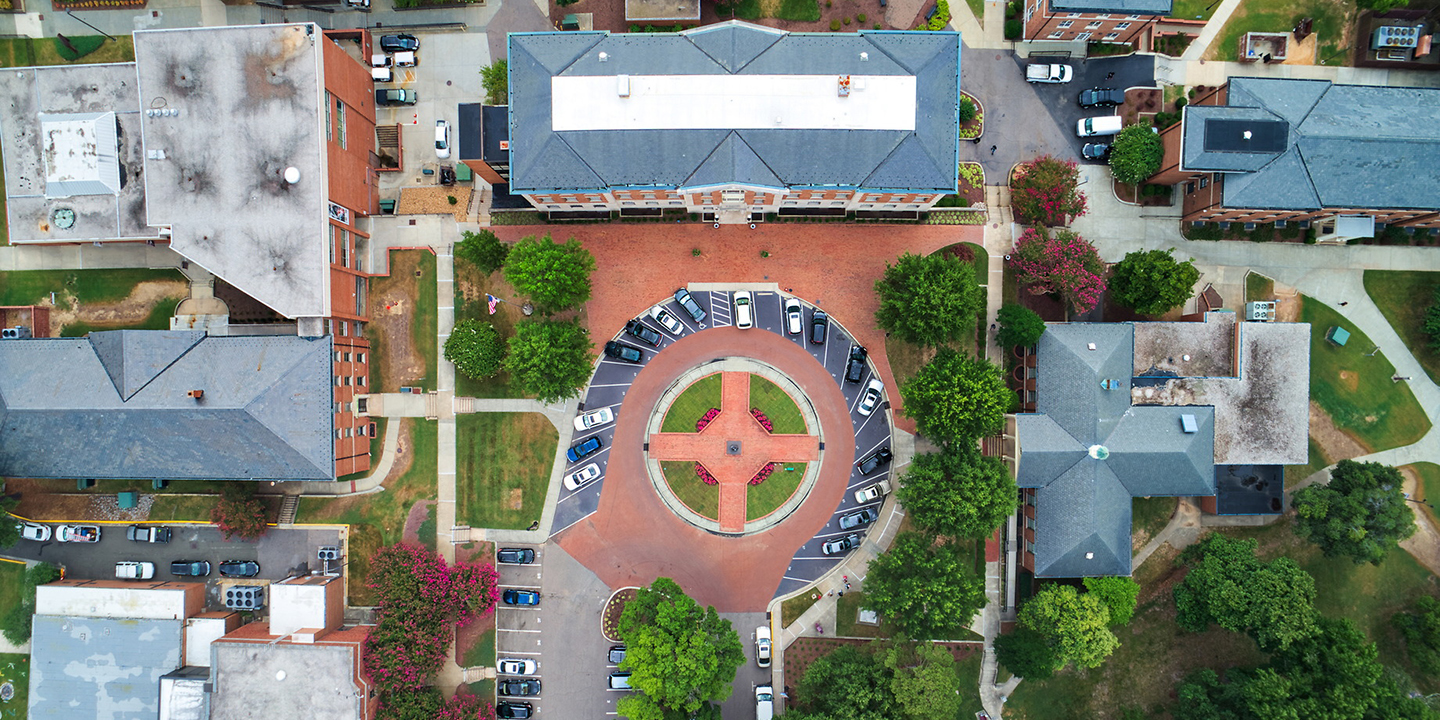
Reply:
x=872, y=462
x=682, y=296
x=642, y=332
x=620, y=681
x=32, y=531
x=379, y=60
x=855, y=368
x=521, y=687
x=840, y=545
x=582, y=449
x=406, y=59
x=151, y=534
x=380, y=68
x=594, y=418
x=78, y=533
x=402, y=41
x=515, y=666
x=793, y=319
x=1096, y=151
x=514, y=710
x=1047, y=73
x=616, y=654
x=239, y=568
x=1101, y=97
x=442, y=139
x=358, y=3
x=667, y=321
x=582, y=477
x=521, y=597
x=190, y=568
x=1101, y=125
x=394, y=96
x=762, y=646
x=744, y=310
x=873, y=392
x=515, y=556
x=131, y=570
x=623, y=352
x=872, y=493
x=765, y=694
x=819, y=324
x=863, y=516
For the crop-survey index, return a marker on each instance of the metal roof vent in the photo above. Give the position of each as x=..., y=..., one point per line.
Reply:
x=604, y=57
x=1099, y=452
x=279, y=675
x=1089, y=556
x=864, y=56
x=1246, y=135
x=292, y=175
x=1090, y=345
x=1188, y=424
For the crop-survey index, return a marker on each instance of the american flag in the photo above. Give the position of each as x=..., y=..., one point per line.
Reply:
x=494, y=302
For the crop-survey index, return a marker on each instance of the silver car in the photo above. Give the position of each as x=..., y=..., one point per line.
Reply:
x=793, y=320
x=840, y=545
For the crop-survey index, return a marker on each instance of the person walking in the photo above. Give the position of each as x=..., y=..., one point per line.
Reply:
x=1109, y=75
x=992, y=149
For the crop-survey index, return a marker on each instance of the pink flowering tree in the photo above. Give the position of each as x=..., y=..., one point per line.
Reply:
x=1061, y=263
x=1045, y=191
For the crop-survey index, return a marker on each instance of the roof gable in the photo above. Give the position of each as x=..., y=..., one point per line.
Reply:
x=907, y=166
x=132, y=358
x=733, y=44
x=1084, y=524
x=733, y=161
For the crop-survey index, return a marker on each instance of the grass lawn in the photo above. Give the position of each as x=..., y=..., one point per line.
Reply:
x=1258, y=287
x=20, y=52
x=1403, y=296
x=471, y=286
x=1356, y=390
x=158, y=319
x=977, y=8
x=792, y=609
x=15, y=668
x=784, y=416
x=182, y=508
x=502, y=464
x=1331, y=17
x=968, y=670
x=378, y=519
x=482, y=653
x=847, y=609
x=419, y=291
x=377, y=446
x=1148, y=516
x=692, y=405
x=762, y=499
x=1317, y=461
x=701, y=498
x=11, y=576
x=1193, y=10
x=1428, y=485
x=799, y=10
x=425, y=324
x=906, y=358
x=28, y=287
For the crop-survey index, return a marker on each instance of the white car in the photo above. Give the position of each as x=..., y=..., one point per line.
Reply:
x=579, y=478
x=873, y=392
x=872, y=493
x=31, y=531
x=793, y=319
x=594, y=418
x=130, y=570
x=762, y=646
x=744, y=310
x=667, y=320
x=515, y=666
x=405, y=58
x=442, y=139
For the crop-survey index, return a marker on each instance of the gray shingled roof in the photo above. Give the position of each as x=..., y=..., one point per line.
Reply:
x=923, y=160
x=99, y=668
x=116, y=405
x=1082, y=504
x=1347, y=146
x=1128, y=7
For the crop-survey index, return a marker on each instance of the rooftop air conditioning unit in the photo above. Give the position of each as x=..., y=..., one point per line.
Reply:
x=329, y=552
x=1260, y=311
x=19, y=332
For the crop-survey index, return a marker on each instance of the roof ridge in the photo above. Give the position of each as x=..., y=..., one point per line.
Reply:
x=250, y=408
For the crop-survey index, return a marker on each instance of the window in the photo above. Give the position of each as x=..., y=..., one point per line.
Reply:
x=1103, y=16
x=1111, y=36
x=1189, y=188
x=1082, y=36
x=347, y=357
x=1029, y=523
x=332, y=244
x=1123, y=26
x=360, y=381
x=1132, y=17
x=360, y=357
x=347, y=380
x=339, y=434
x=1073, y=15
x=1093, y=25
x=349, y=432
x=345, y=248
x=1030, y=547
x=337, y=356
x=339, y=407
x=1204, y=182
x=1065, y=23
x=344, y=328
x=1057, y=34
x=327, y=119
x=337, y=381
x=340, y=122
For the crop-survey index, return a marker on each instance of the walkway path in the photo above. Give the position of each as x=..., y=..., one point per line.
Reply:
x=1202, y=41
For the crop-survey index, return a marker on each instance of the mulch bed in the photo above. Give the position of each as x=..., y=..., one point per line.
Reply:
x=610, y=624
x=975, y=128
x=1049, y=309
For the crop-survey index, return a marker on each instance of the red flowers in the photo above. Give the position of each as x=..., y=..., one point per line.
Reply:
x=1045, y=191
x=709, y=415
x=764, y=422
x=1060, y=263
x=764, y=472
x=705, y=475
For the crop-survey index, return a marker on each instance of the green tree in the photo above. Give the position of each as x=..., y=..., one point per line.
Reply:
x=549, y=359
x=475, y=348
x=1059, y=263
x=1119, y=595
x=9, y=530
x=1431, y=326
x=847, y=684
x=967, y=110
x=928, y=300
x=239, y=512
x=924, y=681
x=553, y=275
x=1019, y=325
x=680, y=655
x=1075, y=626
x=1027, y=653
x=1380, y=6
x=1152, y=282
x=1360, y=514
x=958, y=493
x=1421, y=630
x=422, y=704
x=15, y=625
x=924, y=588
x=956, y=399
x=1046, y=191
x=495, y=80
x=1136, y=154
x=483, y=250
x=1227, y=585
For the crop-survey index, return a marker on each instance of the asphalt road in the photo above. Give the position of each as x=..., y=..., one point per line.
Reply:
x=741, y=703
x=1061, y=102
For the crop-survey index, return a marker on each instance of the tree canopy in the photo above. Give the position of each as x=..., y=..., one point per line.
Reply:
x=680, y=655
x=956, y=398
x=1075, y=626
x=1045, y=191
x=555, y=276
x=1152, y=282
x=1019, y=325
x=1026, y=653
x=9, y=530
x=924, y=588
x=1059, y=263
x=1119, y=595
x=928, y=299
x=958, y=493
x=482, y=249
x=475, y=348
x=16, y=623
x=1421, y=630
x=847, y=684
x=1360, y=514
x=239, y=512
x=495, y=80
x=1227, y=585
x=549, y=359
x=1136, y=154
x=924, y=682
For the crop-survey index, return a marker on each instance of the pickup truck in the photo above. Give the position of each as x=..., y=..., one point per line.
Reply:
x=140, y=533
x=1041, y=73
x=78, y=533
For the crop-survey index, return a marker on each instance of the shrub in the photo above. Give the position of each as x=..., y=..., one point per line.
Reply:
x=83, y=44
x=1180, y=103
x=549, y=359
x=555, y=276
x=1012, y=9
x=239, y=512
x=877, y=26
x=1045, y=191
x=483, y=250
x=1061, y=264
x=834, y=26
x=1166, y=119
x=1019, y=325
x=860, y=18
x=941, y=18
x=1013, y=28
x=1137, y=154
x=475, y=348
x=967, y=110
x=845, y=20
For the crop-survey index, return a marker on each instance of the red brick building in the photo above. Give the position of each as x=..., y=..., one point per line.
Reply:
x=1093, y=20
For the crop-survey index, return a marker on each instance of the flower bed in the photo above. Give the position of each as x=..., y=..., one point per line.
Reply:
x=705, y=475
x=610, y=623
x=764, y=473
x=764, y=421
x=706, y=419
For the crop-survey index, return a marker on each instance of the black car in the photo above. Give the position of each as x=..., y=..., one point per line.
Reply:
x=855, y=369
x=396, y=43
x=239, y=568
x=394, y=96
x=617, y=654
x=874, y=460
x=1095, y=151
x=692, y=308
x=622, y=352
x=190, y=568
x=515, y=556
x=642, y=332
x=863, y=516
x=521, y=687
x=819, y=324
x=510, y=710
x=1101, y=97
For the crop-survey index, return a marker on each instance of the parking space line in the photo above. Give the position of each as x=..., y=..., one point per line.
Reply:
x=518, y=608
x=609, y=385
x=520, y=652
x=867, y=479
x=873, y=447
x=515, y=630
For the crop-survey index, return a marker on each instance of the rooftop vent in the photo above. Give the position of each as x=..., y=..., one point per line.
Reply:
x=292, y=175
x=864, y=56
x=1188, y=424
x=1090, y=345
x=1099, y=452
x=1089, y=556
x=622, y=83
x=604, y=57
x=197, y=394
x=1246, y=135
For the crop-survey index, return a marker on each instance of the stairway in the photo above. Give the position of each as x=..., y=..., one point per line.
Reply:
x=288, y=508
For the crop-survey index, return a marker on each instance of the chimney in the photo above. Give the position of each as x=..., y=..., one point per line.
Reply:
x=197, y=394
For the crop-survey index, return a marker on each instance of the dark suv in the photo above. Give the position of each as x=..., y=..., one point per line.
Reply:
x=1101, y=97
x=190, y=568
x=582, y=449
x=874, y=460
x=692, y=308
x=397, y=43
x=522, y=686
x=514, y=710
x=622, y=352
x=394, y=96
x=515, y=556
x=855, y=369
x=642, y=332
x=819, y=323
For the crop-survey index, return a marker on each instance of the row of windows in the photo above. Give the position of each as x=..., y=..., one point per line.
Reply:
x=1083, y=36
x=362, y=431
x=1102, y=16
x=359, y=357
x=1067, y=23
x=343, y=327
x=344, y=380
x=335, y=125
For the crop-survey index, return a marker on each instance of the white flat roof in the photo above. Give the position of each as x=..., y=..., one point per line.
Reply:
x=734, y=102
x=138, y=603
x=294, y=606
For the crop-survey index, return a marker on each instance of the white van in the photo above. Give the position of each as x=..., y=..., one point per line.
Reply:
x=744, y=310
x=1102, y=125
x=620, y=681
x=764, y=703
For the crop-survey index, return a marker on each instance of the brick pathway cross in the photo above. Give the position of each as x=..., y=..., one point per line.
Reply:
x=757, y=447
